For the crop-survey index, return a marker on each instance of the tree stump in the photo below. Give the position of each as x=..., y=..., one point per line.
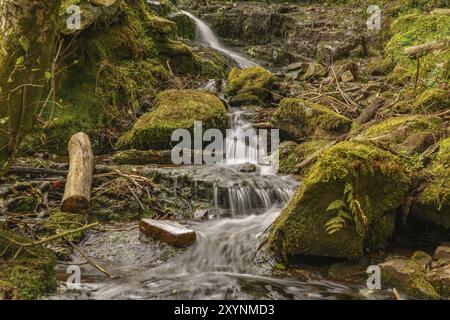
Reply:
x=77, y=194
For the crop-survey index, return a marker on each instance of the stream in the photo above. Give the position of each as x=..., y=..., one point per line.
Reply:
x=220, y=264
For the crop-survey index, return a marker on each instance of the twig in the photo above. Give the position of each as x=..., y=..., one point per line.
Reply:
x=89, y=260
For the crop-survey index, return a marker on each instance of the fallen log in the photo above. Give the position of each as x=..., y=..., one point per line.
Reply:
x=425, y=48
x=169, y=232
x=77, y=193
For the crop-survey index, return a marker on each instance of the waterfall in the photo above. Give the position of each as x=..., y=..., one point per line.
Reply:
x=206, y=36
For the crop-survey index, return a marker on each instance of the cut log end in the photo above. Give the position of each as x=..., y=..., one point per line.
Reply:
x=77, y=193
x=169, y=232
x=75, y=204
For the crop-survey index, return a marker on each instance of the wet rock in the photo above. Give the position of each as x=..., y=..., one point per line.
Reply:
x=248, y=168
x=314, y=71
x=255, y=82
x=405, y=134
x=442, y=252
x=440, y=279
x=201, y=215
x=174, y=109
x=347, y=76
x=169, y=232
x=302, y=227
x=296, y=70
x=299, y=118
x=408, y=277
x=245, y=99
x=292, y=154
x=91, y=12
x=423, y=259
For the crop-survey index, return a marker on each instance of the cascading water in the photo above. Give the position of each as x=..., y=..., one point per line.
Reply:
x=219, y=264
x=207, y=37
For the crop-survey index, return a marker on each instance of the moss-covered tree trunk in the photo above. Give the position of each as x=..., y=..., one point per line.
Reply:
x=27, y=34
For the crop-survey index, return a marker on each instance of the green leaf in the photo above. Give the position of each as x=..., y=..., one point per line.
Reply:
x=4, y=120
x=344, y=214
x=47, y=75
x=20, y=61
x=335, y=205
x=348, y=188
x=24, y=43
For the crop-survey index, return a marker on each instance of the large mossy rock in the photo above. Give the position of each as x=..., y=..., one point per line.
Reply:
x=415, y=28
x=299, y=119
x=292, y=154
x=379, y=181
x=251, y=84
x=174, y=109
x=433, y=203
x=405, y=134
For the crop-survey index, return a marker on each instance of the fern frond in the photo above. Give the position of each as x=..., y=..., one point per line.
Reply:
x=336, y=205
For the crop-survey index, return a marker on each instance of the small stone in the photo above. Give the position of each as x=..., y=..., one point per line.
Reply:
x=408, y=277
x=248, y=168
x=315, y=71
x=423, y=259
x=169, y=232
x=347, y=76
x=442, y=252
x=201, y=215
x=400, y=269
x=298, y=66
x=440, y=279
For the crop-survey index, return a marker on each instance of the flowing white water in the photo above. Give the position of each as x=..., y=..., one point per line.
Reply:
x=206, y=36
x=219, y=265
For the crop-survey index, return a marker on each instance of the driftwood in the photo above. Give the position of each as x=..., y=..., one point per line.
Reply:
x=77, y=194
x=425, y=48
x=371, y=110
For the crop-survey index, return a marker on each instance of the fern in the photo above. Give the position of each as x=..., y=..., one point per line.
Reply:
x=347, y=210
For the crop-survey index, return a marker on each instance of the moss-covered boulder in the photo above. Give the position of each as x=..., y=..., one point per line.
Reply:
x=344, y=204
x=28, y=276
x=174, y=109
x=405, y=134
x=408, y=277
x=291, y=154
x=113, y=67
x=433, y=203
x=140, y=157
x=299, y=119
x=255, y=82
x=414, y=28
x=433, y=100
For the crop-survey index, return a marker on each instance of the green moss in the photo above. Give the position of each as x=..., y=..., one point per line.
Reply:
x=28, y=276
x=408, y=278
x=174, y=109
x=138, y=157
x=413, y=29
x=300, y=118
x=291, y=154
x=111, y=71
x=432, y=100
x=254, y=81
x=415, y=123
x=380, y=182
x=61, y=221
x=434, y=201
x=406, y=134
x=245, y=99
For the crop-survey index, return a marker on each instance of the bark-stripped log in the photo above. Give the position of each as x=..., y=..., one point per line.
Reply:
x=77, y=194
